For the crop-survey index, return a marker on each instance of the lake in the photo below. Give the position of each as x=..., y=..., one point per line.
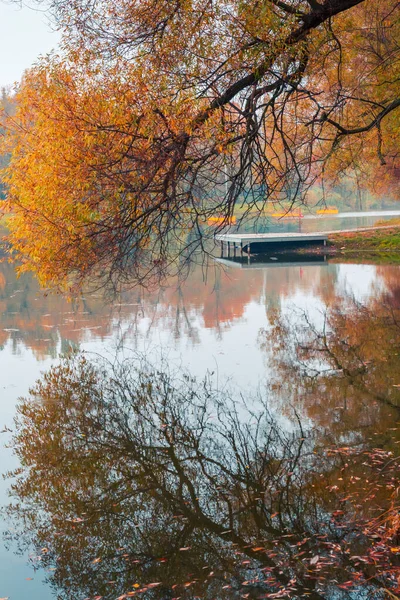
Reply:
x=310, y=223
x=315, y=343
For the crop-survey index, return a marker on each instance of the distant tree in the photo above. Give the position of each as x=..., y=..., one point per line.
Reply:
x=158, y=114
x=7, y=107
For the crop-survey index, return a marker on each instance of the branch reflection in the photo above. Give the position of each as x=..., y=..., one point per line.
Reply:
x=136, y=482
x=342, y=369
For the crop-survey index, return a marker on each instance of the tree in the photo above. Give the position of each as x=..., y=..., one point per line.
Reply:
x=7, y=106
x=158, y=114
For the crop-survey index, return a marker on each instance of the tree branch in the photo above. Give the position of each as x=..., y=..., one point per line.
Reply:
x=287, y=8
x=314, y=4
x=374, y=123
x=310, y=22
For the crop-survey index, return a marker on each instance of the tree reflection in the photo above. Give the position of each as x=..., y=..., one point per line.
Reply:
x=211, y=298
x=342, y=369
x=135, y=482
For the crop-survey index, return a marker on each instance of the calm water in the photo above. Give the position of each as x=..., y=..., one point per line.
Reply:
x=310, y=223
x=254, y=331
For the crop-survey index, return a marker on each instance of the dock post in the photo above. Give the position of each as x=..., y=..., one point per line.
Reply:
x=234, y=249
x=222, y=248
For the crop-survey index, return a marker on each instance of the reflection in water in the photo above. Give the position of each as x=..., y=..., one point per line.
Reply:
x=343, y=372
x=136, y=482
x=48, y=324
x=168, y=482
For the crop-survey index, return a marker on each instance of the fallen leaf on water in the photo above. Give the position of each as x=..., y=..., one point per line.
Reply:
x=346, y=585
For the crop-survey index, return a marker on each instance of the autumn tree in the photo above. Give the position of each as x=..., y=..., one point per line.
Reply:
x=7, y=106
x=158, y=114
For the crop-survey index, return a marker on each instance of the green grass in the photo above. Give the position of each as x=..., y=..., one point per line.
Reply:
x=378, y=240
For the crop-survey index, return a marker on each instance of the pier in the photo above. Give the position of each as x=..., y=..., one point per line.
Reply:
x=262, y=242
x=246, y=242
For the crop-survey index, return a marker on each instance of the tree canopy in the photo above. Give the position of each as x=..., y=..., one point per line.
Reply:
x=157, y=114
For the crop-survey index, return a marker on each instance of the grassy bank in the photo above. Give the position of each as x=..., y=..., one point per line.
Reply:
x=381, y=246
x=383, y=239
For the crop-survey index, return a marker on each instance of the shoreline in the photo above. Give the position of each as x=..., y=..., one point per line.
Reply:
x=383, y=238
x=381, y=245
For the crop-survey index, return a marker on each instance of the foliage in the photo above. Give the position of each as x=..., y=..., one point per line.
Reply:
x=158, y=114
x=7, y=106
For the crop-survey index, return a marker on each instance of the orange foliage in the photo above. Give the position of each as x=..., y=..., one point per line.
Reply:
x=162, y=117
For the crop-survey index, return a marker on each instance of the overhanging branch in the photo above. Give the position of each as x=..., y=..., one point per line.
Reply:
x=374, y=123
x=311, y=21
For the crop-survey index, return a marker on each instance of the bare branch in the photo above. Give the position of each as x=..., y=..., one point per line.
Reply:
x=374, y=123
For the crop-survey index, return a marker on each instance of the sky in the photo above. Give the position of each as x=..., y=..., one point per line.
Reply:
x=24, y=35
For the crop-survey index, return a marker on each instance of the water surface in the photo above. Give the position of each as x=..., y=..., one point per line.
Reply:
x=243, y=326
x=312, y=223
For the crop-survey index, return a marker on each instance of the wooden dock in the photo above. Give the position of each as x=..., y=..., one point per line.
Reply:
x=246, y=241
x=257, y=242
